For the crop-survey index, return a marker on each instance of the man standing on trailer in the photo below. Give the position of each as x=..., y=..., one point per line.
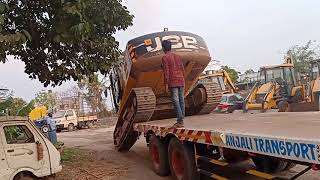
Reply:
x=174, y=80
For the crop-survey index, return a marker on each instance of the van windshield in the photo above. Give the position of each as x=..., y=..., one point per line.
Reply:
x=59, y=114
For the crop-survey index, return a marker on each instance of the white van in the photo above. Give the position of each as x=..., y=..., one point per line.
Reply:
x=25, y=153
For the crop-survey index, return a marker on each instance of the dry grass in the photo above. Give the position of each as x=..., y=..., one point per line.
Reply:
x=84, y=165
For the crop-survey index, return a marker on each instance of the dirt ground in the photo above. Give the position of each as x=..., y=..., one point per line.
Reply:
x=96, y=158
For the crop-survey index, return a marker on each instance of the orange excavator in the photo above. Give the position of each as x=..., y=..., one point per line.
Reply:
x=137, y=83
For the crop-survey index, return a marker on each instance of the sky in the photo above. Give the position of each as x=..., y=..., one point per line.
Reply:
x=242, y=34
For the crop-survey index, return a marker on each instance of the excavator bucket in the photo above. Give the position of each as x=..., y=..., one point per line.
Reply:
x=314, y=105
x=301, y=107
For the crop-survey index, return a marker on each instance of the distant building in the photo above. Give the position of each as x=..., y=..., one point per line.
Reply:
x=248, y=77
x=247, y=80
x=69, y=103
x=213, y=66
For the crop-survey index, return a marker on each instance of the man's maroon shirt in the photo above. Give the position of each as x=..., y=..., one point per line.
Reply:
x=173, y=70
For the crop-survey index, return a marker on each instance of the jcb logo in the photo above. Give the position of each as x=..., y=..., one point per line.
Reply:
x=178, y=42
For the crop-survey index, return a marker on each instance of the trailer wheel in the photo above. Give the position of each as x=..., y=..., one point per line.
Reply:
x=24, y=176
x=70, y=127
x=159, y=156
x=269, y=165
x=182, y=161
x=290, y=165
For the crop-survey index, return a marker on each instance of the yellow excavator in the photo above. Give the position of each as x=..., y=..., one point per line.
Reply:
x=220, y=77
x=312, y=90
x=137, y=83
x=276, y=89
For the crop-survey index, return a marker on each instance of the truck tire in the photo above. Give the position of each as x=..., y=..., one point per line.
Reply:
x=182, y=161
x=159, y=155
x=90, y=124
x=70, y=127
x=269, y=165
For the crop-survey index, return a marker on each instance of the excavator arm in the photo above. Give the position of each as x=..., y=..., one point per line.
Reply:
x=260, y=97
x=227, y=81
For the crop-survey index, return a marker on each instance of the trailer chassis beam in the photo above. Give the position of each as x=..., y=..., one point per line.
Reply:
x=301, y=173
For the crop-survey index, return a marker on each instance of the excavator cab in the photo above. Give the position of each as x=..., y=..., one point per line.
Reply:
x=282, y=76
x=276, y=88
x=221, y=78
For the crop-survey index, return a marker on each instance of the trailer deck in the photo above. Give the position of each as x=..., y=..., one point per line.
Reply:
x=292, y=136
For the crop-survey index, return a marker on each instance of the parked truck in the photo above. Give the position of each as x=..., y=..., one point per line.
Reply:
x=25, y=152
x=69, y=119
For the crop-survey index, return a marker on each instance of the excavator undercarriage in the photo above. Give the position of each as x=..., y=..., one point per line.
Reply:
x=141, y=106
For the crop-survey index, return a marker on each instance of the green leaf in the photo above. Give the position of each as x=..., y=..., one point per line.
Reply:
x=1, y=20
x=57, y=38
x=27, y=34
x=2, y=7
x=17, y=36
x=73, y=31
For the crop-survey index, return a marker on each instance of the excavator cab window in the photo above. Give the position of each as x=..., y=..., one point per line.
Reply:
x=272, y=74
x=219, y=81
x=284, y=73
x=289, y=76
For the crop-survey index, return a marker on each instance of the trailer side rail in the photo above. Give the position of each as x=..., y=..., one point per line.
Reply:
x=299, y=150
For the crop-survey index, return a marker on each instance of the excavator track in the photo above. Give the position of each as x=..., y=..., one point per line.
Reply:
x=213, y=97
x=138, y=108
x=203, y=99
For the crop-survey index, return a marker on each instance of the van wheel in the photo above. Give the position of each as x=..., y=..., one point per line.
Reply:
x=70, y=127
x=182, y=161
x=24, y=176
x=27, y=178
x=159, y=156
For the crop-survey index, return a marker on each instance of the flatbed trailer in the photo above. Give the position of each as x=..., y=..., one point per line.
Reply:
x=274, y=141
